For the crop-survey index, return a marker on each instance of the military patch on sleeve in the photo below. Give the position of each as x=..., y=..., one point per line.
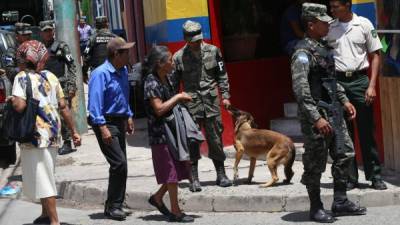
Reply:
x=374, y=33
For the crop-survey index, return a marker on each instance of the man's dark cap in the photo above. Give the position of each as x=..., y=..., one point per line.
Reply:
x=47, y=24
x=23, y=28
x=101, y=20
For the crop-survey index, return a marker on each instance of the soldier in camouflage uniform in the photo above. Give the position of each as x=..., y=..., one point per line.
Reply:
x=23, y=33
x=96, y=51
x=201, y=69
x=312, y=62
x=59, y=59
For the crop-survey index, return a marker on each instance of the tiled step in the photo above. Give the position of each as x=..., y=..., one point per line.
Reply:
x=287, y=126
x=290, y=109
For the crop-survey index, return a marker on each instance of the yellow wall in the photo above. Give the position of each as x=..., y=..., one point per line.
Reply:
x=177, y=9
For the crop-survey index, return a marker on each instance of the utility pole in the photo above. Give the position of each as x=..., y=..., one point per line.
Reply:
x=66, y=25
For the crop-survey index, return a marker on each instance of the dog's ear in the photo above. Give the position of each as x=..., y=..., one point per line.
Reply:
x=251, y=120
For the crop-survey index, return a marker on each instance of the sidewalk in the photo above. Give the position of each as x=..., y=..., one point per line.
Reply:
x=83, y=176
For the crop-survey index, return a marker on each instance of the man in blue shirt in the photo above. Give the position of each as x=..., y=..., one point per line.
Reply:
x=110, y=116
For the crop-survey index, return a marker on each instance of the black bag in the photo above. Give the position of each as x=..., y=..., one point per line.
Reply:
x=20, y=127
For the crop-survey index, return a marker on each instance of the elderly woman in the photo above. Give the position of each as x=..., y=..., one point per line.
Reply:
x=159, y=101
x=38, y=158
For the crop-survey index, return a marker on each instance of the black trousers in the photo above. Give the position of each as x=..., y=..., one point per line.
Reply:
x=115, y=155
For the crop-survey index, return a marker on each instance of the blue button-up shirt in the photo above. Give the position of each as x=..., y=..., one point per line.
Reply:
x=108, y=93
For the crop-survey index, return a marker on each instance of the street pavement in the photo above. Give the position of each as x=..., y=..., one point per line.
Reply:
x=82, y=177
x=17, y=212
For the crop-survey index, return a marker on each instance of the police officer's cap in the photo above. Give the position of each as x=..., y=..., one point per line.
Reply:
x=23, y=28
x=47, y=24
x=317, y=11
x=192, y=31
x=101, y=20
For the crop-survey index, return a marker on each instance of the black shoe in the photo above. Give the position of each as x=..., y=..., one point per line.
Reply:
x=115, y=214
x=351, y=185
x=42, y=220
x=183, y=218
x=66, y=148
x=161, y=208
x=378, y=184
x=347, y=208
x=321, y=216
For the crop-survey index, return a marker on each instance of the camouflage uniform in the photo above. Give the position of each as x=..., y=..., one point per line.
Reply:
x=59, y=58
x=311, y=62
x=201, y=75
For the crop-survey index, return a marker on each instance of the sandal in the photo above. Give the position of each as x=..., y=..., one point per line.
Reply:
x=162, y=208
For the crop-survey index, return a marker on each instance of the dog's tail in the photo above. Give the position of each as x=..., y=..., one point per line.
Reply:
x=288, y=167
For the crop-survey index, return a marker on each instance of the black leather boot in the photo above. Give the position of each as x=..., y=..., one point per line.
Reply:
x=317, y=211
x=222, y=179
x=347, y=208
x=66, y=148
x=342, y=206
x=195, y=184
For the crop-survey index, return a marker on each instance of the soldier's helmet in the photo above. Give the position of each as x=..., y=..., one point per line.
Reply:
x=47, y=24
x=318, y=11
x=23, y=28
x=101, y=20
x=192, y=31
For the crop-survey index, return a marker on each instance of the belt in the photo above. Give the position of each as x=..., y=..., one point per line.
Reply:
x=350, y=76
x=115, y=118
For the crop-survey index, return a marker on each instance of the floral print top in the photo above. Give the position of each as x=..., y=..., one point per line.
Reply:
x=47, y=89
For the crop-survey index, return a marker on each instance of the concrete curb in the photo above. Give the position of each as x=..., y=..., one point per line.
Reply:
x=200, y=202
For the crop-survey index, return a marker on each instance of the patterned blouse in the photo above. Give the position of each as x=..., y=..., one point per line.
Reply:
x=153, y=88
x=47, y=89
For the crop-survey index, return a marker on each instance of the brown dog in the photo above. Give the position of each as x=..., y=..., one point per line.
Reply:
x=278, y=148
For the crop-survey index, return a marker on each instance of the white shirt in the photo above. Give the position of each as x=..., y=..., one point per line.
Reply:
x=352, y=43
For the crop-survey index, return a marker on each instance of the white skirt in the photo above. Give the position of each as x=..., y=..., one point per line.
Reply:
x=38, y=170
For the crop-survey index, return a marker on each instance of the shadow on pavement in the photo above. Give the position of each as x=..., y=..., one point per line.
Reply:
x=97, y=216
x=296, y=217
x=159, y=217
x=60, y=223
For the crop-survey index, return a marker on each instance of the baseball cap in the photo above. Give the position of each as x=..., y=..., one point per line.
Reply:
x=192, y=31
x=23, y=28
x=119, y=43
x=317, y=11
x=47, y=24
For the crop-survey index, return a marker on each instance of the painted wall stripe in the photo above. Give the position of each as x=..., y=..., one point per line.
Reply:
x=154, y=11
x=171, y=30
x=362, y=1
x=367, y=10
x=177, y=9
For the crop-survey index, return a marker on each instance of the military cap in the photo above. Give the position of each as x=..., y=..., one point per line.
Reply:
x=23, y=28
x=317, y=11
x=192, y=31
x=47, y=24
x=101, y=20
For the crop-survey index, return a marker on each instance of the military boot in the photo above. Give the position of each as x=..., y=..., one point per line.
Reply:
x=342, y=206
x=195, y=183
x=66, y=148
x=222, y=179
x=317, y=211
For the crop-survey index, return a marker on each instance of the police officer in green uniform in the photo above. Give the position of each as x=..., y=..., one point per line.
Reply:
x=23, y=33
x=354, y=40
x=311, y=64
x=201, y=69
x=60, y=63
x=96, y=51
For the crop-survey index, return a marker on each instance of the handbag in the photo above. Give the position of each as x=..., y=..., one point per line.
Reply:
x=20, y=127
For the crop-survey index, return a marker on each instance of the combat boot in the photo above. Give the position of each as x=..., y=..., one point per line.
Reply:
x=195, y=183
x=317, y=211
x=66, y=148
x=222, y=179
x=347, y=208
